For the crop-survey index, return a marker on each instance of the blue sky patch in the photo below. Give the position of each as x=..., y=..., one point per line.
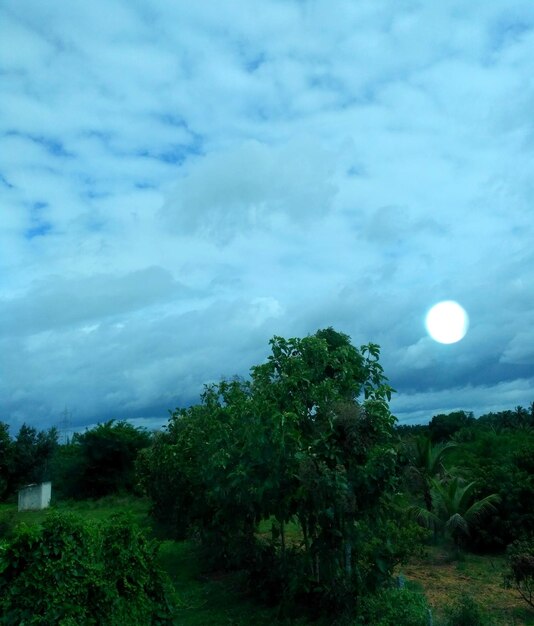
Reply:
x=40, y=230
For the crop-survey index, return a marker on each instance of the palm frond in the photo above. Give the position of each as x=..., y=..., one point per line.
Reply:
x=457, y=523
x=441, y=500
x=463, y=494
x=424, y=518
x=436, y=454
x=481, y=507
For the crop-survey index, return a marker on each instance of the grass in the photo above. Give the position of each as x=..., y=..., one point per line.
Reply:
x=217, y=600
x=95, y=510
x=443, y=579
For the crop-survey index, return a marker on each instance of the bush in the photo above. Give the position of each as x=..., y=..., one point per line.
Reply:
x=8, y=521
x=520, y=575
x=394, y=607
x=467, y=612
x=71, y=571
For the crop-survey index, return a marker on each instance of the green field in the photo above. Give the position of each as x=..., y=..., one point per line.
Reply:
x=218, y=600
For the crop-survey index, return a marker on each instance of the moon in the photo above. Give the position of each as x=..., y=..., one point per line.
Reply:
x=447, y=322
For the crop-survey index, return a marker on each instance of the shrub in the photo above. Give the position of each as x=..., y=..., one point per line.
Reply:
x=520, y=575
x=8, y=521
x=394, y=607
x=467, y=612
x=72, y=571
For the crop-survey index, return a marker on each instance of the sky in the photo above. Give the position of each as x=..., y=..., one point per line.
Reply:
x=180, y=181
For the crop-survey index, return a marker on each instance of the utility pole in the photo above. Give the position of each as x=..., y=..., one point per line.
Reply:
x=64, y=426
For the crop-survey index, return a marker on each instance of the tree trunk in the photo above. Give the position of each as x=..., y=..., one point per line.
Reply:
x=283, y=540
x=348, y=559
x=428, y=499
x=304, y=527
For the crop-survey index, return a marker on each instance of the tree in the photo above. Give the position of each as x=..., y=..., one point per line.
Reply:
x=32, y=454
x=6, y=459
x=454, y=508
x=308, y=439
x=500, y=461
x=101, y=460
x=427, y=463
x=326, y=449
x=442, y=427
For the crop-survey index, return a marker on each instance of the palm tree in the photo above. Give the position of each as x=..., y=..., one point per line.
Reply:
x=454, y=508
x=427, y=462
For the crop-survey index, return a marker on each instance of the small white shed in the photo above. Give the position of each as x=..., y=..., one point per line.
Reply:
x=35, y=497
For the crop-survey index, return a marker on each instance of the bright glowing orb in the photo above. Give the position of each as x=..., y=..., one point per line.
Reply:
x=447, y=322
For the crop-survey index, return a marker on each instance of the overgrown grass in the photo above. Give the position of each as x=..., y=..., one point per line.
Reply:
x=217, y=600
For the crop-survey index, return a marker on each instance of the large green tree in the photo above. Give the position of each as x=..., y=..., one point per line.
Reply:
x=307, y=440
x=331, y=456
x=100, y=461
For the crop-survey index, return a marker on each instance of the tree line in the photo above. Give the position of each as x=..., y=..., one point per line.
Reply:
x=95, y=463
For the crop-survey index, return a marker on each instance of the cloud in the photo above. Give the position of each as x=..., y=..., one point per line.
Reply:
x=250, y=186
x=58, y=302
x=180, y=183
x=520, y=350
x=131, y=363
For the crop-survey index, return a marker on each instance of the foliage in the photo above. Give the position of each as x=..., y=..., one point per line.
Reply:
x=496, y=451
x=32, y=452
x=465, y=611
x=66, y=470
x=309, y=438
x=520, y=573
x=70, y=571
x=406, y=431
x=455, y=509
x=216, y=600
x=100, y=461
x=25, y=459
x=442, y=427
x=394, y=607
x=519, y=418
x=6, y=459
x=7, y=523
x=426, y=462
x=500, y=461
x=160, y=477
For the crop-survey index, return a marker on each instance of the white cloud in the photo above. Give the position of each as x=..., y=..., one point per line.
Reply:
x=250, y=187
x=178, y=183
